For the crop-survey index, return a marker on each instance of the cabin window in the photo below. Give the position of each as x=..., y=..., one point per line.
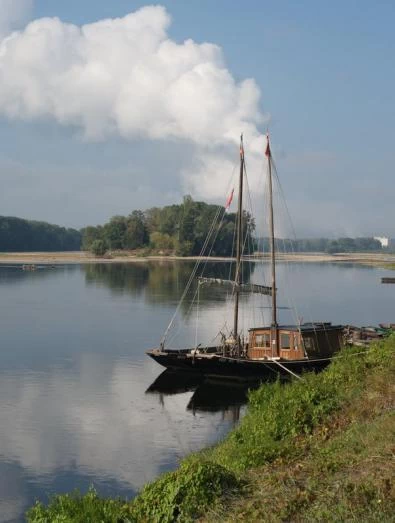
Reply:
x=262, y=340
x=285, y=341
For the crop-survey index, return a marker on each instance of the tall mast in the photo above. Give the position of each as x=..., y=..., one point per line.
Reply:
x=239, y=242
x=274, y=326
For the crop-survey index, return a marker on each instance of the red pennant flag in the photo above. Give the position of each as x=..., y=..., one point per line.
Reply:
x=229, y=200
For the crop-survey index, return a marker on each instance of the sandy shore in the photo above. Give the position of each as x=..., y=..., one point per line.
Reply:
x=56, y=258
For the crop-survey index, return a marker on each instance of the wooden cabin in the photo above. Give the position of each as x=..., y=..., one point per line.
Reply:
x=309, y=340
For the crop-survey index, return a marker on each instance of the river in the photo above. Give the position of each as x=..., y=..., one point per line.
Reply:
x=76, y=403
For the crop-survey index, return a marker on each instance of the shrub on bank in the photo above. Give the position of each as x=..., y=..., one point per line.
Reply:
x=184, y=494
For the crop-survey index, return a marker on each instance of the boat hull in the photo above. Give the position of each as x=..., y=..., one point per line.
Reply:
x=216, y=365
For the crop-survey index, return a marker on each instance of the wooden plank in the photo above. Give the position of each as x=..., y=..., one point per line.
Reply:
x=387, y=280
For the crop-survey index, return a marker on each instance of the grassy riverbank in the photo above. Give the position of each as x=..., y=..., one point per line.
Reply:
x=318, y=449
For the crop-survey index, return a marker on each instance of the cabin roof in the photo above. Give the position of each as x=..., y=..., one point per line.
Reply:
x=304, y=327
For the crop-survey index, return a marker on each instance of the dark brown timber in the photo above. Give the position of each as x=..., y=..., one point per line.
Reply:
x=387, y=280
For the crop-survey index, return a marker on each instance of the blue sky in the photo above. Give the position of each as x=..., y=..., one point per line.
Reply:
x=326, y=78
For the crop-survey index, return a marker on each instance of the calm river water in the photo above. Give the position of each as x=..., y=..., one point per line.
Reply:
x=74, y=405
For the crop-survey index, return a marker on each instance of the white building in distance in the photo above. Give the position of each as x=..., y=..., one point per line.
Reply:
x=383, y=240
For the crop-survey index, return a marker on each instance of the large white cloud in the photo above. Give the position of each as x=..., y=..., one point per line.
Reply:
x=124, y=76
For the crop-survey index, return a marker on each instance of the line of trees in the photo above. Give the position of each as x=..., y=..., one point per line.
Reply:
x=19, y=235
x=180, y=229
x=323, y=245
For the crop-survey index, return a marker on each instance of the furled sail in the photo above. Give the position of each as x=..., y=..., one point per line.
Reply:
x=242, y=287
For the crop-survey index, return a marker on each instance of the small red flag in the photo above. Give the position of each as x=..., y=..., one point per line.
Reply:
x=229, y=200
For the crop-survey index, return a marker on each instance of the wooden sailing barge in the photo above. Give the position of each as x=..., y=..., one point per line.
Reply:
x=281, y=349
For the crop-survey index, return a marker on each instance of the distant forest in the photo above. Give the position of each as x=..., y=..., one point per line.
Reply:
x=175, y=229
x=18, y=235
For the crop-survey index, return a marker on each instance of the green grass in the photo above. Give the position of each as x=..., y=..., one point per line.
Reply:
x=318, y=449
x=342, y=469
x=77, y=508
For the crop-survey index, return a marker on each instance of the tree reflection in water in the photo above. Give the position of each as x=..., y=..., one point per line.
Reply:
x=163, y=282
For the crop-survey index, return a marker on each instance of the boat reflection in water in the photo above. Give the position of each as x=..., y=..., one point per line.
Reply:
x=209, y=395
